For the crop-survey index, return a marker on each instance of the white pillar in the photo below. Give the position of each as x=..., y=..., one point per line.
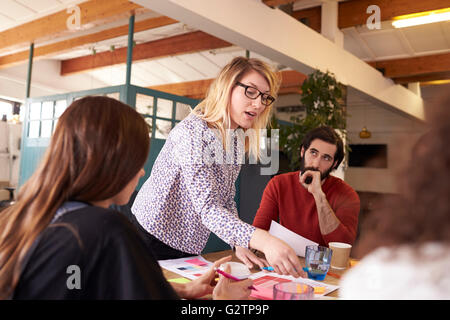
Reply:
x=415, y=87
x=329, y=23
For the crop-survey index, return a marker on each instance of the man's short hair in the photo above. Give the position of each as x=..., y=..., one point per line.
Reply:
x=326, y=134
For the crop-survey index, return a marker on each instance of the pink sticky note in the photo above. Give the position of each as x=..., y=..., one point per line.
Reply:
x=263, y=293
x=196, y=262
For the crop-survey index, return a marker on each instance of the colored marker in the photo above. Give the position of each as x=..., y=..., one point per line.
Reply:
x=269, y=268
x=229, y=276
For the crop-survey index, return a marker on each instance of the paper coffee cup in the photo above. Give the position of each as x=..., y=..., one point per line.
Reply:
x=341, y=253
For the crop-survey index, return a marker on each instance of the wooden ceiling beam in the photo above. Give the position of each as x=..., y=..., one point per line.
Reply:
x=63, y=46
x=311, y=17
x=353, y=12
x=291, y=83
x=275, y=3
x=95, y=12
x=182, y=44
x=425, y=78
x=417, y=66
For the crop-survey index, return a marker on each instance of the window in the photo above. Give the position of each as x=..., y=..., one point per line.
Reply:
x=6, y=108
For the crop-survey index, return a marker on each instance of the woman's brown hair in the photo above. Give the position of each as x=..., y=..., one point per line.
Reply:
x=98, y=146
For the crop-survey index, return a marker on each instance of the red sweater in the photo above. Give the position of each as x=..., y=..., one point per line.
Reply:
x=286, y=200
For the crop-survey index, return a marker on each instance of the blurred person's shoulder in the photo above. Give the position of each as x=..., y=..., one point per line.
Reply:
x=402, y=272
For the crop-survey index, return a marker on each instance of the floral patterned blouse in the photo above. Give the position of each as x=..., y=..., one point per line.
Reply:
x=191, y=189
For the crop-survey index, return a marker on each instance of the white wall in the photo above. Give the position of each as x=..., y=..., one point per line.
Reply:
x=397, y=131
x=45, y=80
x=10, y=134
x=4, y=154
x=288, y=100
x=15, y=134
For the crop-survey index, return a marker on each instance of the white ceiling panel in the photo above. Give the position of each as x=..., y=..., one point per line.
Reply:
x=15, y=10
x=426, y=38
x=384, y=44
x=118, y=74
x=112, y=75
x=170, y=30
x=41, y=5
x=138, y=77
x=137, y=81
x=70, y=1
x=73, y=54
x=23, y=11
x=101, y=75
x=5, y=21
x=141, y=77
x=356, y=45
x=221, y=57
x=179, y=66
x=200, y=64
x=161, y=72
x=139, y=69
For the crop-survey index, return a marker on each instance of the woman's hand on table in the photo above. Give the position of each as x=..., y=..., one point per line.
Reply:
x=283, y=258
x=224, y=289
x=278, y=253
x=204, y=284
x=249, y=258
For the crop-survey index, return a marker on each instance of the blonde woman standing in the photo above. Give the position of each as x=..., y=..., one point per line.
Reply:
x=191, y=190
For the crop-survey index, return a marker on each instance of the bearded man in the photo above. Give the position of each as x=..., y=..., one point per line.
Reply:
x=311, y=202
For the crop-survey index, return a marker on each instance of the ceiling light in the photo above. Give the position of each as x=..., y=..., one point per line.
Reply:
x=421, y=18
x=434, y=82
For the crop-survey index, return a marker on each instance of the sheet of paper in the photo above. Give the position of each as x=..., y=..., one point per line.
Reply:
x=296, y=241
x=189, y=267
x=264, y=282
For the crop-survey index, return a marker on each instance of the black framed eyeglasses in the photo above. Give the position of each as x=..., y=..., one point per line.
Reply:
x=253, y=93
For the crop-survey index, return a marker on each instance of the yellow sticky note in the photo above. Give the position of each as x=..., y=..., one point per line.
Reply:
x=319, y=290
x=301, y=288
x=179, y=280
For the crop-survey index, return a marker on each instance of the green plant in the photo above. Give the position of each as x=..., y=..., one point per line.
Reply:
x=322, y=98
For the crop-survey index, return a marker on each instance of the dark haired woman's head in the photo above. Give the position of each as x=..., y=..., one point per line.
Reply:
x=328, y=135
x=97, y=150
x=100, y=144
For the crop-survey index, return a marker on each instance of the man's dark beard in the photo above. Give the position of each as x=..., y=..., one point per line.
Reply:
x=323, y=175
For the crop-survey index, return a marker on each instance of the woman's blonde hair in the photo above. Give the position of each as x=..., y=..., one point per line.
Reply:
x=98, y=146
x=215, y=108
